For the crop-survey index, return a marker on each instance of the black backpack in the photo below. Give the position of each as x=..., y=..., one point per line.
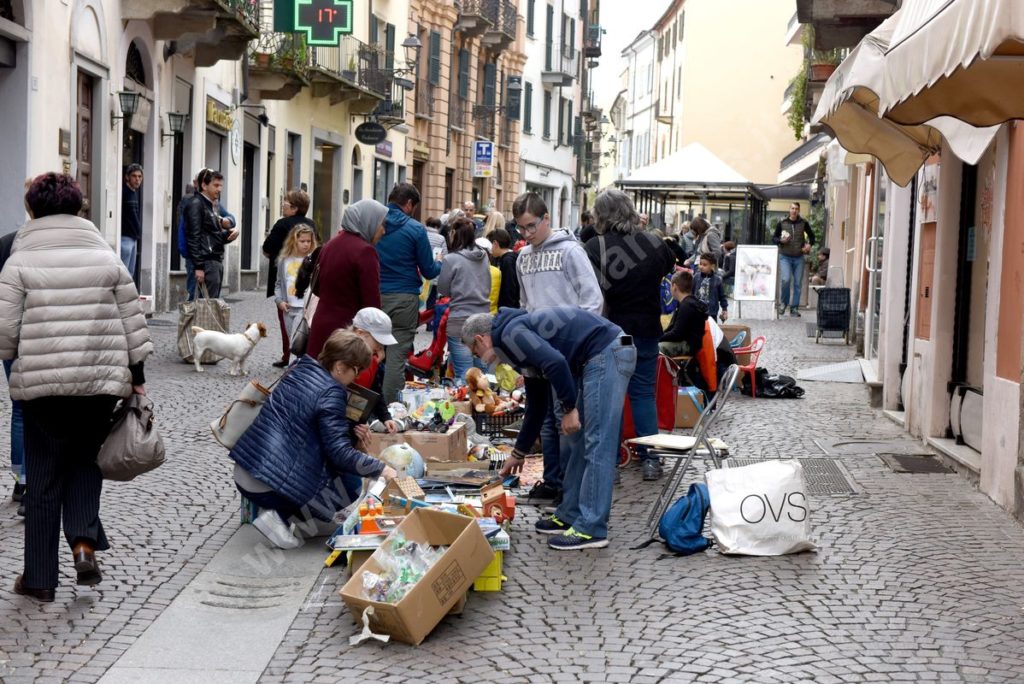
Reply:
x=774, y=386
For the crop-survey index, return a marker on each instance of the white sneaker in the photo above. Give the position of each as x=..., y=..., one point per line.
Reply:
x=274, y=529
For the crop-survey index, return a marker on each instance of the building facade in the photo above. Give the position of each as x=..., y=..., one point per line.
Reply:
x=468, y=90
x=269, y=111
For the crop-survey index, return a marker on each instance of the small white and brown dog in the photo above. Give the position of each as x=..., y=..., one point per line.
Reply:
x=236, y=347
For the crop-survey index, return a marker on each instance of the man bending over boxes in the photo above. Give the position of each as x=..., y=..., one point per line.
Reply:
x=589, y=362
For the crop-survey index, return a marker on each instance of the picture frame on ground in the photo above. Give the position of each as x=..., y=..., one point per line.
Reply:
x=757, y=268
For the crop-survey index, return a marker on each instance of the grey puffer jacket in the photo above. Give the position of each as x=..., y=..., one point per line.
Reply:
x=69, y=313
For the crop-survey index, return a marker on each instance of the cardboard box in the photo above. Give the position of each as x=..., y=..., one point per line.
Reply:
x=357, y=558
x=432, y=446
x=445, y=584
x=731, y=331
x=689, y=405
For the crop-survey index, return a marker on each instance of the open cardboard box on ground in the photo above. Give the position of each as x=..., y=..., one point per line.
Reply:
x=432, y=446
x=357, y=558
x=412, y=618
x=689, y=405
x=731, y=330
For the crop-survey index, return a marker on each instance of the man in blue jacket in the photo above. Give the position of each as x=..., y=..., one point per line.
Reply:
x=405, y=260
x=588, y=361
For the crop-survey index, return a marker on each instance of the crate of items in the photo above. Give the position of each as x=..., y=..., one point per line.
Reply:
x=833, y=312
x=491, y=425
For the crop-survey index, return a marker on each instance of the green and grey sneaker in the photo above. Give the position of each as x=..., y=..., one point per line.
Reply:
x=550, y=525
x=571, y=539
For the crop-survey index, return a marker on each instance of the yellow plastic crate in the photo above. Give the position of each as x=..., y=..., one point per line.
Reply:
x=491, y=578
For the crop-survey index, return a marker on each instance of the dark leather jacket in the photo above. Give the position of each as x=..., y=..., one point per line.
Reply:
x=206, y=237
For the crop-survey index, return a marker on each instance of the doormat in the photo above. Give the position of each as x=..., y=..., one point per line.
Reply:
x=823, y=476
x=915, y=464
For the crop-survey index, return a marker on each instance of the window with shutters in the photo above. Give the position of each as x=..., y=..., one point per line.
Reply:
x=389, y=47
x=434, y=72
x=490, y=76
x=528, y=108
x=547, y=114
x=561, y=122
x=549, y=38
x=531, y=7
x=464, y=74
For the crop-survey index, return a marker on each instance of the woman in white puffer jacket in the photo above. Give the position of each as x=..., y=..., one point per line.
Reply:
x=70, y=318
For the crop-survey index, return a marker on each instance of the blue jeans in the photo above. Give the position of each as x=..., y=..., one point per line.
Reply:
x=190, y=279
x=129, y=253
x=590, y=466
x=17, y=433
x=641, y=390
x=331, y=497
x=551, y=444
x=461, y=359
x=791, y=271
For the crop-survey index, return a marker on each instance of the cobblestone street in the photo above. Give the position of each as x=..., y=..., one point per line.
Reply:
x=918, y=577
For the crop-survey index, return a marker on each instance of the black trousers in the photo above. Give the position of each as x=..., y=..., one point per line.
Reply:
x=63, y=435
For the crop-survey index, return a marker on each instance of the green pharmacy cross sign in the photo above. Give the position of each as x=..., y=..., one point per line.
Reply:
x=323, y=21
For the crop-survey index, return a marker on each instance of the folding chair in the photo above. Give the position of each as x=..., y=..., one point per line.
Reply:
x=681, y=448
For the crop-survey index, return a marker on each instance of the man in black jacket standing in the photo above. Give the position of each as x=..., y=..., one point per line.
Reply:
x=795, y=238
x=205, y=233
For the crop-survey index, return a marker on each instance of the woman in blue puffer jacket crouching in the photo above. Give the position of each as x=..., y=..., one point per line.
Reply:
x=298, y=459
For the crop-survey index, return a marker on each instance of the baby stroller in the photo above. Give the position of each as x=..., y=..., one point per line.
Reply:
x=425, y=364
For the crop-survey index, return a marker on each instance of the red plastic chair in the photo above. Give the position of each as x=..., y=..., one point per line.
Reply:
x=754, y=350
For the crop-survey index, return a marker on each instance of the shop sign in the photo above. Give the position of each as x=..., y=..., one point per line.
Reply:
x=384, y=149
x=483, y=159
x=218, y=116
x=322, y=21
x=371, y=133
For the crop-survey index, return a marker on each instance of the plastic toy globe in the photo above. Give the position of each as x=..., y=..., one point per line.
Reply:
x=404, y=459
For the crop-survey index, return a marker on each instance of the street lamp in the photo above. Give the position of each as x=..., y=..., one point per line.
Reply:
x=129, y=105
x=412, y=47
x=176, y=122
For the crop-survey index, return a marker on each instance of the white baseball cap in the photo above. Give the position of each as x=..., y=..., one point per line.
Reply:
x=377, y=323
x=483, y=243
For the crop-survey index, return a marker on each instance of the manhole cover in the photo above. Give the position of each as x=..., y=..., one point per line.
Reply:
x=158, y=323
x=914, y=463
x=823, y=476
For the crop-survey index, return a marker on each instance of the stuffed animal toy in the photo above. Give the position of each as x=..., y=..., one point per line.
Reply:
x=480, y=394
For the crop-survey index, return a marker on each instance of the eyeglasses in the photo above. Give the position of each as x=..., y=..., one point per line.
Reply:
x=530, y=227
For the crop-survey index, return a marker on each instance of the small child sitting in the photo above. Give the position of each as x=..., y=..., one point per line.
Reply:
x=686, y=331
x=708, y=287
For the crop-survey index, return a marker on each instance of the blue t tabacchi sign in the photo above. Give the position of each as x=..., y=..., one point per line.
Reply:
x=322, y=21
x=483, y=159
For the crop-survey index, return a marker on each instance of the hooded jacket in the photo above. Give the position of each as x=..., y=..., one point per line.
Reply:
x=405, y=254
x=69, y=313
x=688, y=323
x=300, y=439
x=557, y=342
x=558, y=273
x=466, y=278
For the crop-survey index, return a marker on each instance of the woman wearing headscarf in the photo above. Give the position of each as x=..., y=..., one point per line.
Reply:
x=348, y=275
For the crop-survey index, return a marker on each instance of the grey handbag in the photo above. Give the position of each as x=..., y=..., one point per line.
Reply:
x=206, y=313
x=133, y=446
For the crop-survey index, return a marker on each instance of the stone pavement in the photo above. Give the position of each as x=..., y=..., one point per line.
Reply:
x=917, y=577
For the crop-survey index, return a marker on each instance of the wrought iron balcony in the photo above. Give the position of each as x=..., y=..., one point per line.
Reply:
x=486, y=126
x=592, y=41
x=424, y=99
x=391, y=111
x=559, y=68
x=590, y=111
x=504, y=16
x=457, y=113
x=346, y=74
x=212, y=29
x=279, y=65
x=473, y=20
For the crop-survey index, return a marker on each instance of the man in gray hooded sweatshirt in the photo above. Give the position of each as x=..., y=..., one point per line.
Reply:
x=554, y=270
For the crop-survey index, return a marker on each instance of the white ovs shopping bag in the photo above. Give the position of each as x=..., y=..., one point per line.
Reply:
x=760, y=509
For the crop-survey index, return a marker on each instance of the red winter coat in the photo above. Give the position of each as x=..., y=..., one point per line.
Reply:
x=349, y=280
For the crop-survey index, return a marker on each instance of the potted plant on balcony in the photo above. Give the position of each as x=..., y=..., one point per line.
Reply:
x=821, y=62
x=261, y=59
x=349, y=74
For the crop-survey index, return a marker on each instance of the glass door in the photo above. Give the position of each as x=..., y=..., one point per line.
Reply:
x=873, y=264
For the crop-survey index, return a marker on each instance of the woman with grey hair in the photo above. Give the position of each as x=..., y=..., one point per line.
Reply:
x=348, y=272
x=630, y=264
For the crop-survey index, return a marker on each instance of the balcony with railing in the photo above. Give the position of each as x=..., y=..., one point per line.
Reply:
x=424, y=99
x=278, y=65
x=503, y=17
x=589, y=109
x=592, y=41
x=391, y=111
x=350, y=72
x=457, y=113
x=473, y=20
x=486, y=122
x=559, y=66
x=214, y=30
